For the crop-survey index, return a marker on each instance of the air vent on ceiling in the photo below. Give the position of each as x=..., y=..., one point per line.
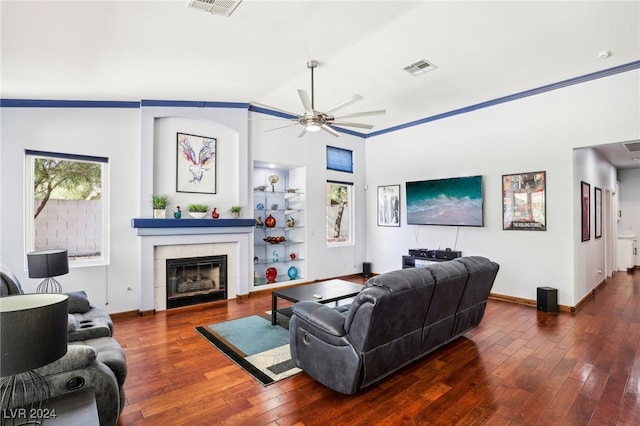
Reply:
x=632, y=146
x=420, y=67
x=215, y=7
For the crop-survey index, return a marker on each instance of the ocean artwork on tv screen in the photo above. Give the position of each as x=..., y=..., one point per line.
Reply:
x=451, y=201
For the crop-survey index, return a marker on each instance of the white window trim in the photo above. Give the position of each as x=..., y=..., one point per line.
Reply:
x=29, y=234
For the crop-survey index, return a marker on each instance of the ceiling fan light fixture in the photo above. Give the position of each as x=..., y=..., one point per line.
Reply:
x=313, y=127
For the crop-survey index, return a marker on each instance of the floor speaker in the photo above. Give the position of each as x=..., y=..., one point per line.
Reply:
x=547, y=299
x=366, y=269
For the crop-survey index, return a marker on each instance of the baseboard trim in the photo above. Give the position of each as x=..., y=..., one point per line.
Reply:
x=528, y=302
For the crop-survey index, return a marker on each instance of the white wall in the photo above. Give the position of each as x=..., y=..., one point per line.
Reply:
x=530, y=134
x=105, y=132
x=629, y=206
x=589, y=167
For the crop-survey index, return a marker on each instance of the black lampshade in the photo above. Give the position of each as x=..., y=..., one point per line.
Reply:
x=47, y=263
x=33, y=331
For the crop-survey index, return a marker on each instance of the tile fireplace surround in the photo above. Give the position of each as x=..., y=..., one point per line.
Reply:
x=170, y=238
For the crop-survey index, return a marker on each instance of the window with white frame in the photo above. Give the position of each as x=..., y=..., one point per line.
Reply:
x=67, y=205
x=339, y=213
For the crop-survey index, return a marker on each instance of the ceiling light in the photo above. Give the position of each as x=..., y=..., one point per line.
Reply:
x=603, y=54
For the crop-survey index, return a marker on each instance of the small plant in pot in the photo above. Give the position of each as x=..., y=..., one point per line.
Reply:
x=159, y=203
x=197, y=211
x=235, y=211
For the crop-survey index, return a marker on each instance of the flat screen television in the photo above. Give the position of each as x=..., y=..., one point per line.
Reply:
x=452, y=201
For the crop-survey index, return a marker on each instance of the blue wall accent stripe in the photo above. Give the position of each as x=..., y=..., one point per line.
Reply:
x=45, y=103
x=36, y=103
x=542, y=89
x=193, y=104
x=66, y=156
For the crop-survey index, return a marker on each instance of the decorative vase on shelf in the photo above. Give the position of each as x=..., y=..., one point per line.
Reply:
x=271, y=274
x=291, y=222
x=197, y=215
x=159, y=213
x=214, y=213
x=270, y=221
x=292, y=256
x=178, y=213
x=293, y=273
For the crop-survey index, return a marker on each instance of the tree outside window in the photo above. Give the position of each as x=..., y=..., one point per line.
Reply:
x=339, y=213
x=68, y=209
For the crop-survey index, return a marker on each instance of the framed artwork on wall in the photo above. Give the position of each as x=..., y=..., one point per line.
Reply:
x=597, y=214
x=585, y=202
x=340, y=210
x=195, y=164
x=389, y=205
x=524, y=201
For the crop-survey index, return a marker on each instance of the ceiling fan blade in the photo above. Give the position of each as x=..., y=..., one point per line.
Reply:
x=281, y=127
x=347, y=124
x=306, y=101
x=343, y=104
x=360, y=114
x=303, y=132
x=328, y=129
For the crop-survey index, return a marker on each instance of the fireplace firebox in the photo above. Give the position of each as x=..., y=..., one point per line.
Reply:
x=194, y=280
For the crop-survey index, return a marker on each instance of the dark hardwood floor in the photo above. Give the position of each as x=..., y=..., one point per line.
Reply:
x=520, y=367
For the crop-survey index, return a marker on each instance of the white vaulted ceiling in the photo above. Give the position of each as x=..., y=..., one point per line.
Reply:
x=134, y=50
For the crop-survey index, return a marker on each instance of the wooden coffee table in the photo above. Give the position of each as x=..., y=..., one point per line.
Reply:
x=330, y=291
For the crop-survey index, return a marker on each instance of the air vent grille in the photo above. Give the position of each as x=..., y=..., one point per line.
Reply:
x=419, y=67
x=215, y=7
x=632, y=146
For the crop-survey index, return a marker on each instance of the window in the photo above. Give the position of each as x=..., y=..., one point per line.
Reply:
x=67, y=205
x=339, y=213
x=339, y=159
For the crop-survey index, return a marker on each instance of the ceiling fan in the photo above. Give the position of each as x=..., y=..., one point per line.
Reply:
x=313, y=120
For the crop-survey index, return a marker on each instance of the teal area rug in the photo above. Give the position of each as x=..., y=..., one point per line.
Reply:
x=260, y=348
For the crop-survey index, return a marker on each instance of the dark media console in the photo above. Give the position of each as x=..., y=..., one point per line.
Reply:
x=423, y=257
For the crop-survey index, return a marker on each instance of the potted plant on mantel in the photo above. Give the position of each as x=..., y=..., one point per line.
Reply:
x=235, y=211
x=197, y=211
x=159, y=203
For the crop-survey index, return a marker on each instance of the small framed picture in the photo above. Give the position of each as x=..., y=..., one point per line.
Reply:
x=389, y=205
x=195, y=164
x=585, y=201
x=597, y=200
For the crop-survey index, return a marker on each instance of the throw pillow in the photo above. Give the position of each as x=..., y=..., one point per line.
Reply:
x=78, y=302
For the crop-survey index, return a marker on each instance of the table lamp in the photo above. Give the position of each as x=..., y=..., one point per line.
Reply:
x=33, y=333
x=48, y=264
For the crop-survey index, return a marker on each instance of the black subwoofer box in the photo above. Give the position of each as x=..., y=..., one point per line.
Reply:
x=366, y=269
x=547, y=299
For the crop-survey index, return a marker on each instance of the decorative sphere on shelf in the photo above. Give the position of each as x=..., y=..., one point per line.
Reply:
x=271, y=274
x=293, y=273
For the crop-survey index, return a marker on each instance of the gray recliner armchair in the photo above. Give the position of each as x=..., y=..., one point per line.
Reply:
x=94, y=360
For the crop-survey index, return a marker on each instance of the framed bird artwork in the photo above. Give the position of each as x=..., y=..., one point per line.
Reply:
x=196, y=164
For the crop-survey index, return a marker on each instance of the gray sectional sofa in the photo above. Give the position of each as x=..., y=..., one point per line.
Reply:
x=94, y=359
x=397, y=318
